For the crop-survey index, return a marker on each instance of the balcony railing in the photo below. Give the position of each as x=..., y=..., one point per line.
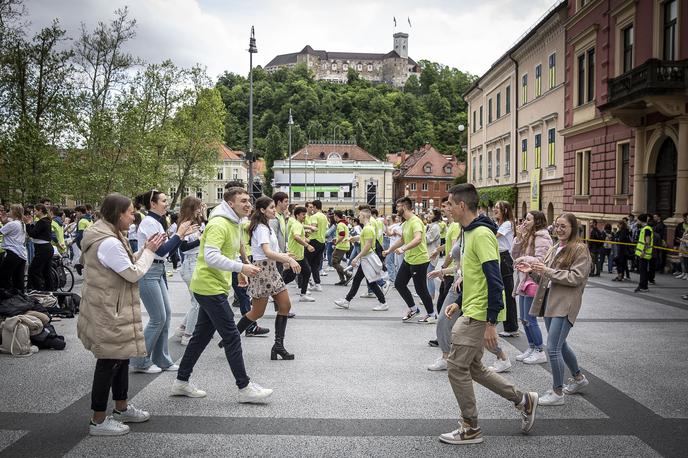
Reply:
x=654, y=77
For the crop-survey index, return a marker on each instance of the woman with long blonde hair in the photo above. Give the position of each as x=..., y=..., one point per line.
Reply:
x=14, y=243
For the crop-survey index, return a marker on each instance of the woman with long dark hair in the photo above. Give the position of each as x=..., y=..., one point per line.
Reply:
x=192, y=211
x=110, y=319
x=623, y=236
x=14, y=243
x=268, y=282
x=153, y=285
x=505, y=238
x=561, y=277
x=40, y=232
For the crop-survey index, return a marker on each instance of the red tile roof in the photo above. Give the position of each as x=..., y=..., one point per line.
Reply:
x=225, y=153
x=415, y=165
x=320, y=151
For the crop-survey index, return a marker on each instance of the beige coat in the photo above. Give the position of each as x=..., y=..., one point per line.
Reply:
x=566, y=287
x=110, y=311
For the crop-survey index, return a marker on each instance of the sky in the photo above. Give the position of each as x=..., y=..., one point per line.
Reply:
x=466, y=34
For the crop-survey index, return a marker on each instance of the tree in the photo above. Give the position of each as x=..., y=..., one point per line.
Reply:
x=378, y=140
x=274, y=150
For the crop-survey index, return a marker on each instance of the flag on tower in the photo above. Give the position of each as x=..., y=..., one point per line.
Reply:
x=409, y=21
x=395, y=21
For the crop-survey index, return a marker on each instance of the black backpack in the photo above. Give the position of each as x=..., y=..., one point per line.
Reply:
x=49, y=339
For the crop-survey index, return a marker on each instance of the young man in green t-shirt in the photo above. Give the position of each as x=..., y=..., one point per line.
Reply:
x=318, y=222
x=341, y=248
x=298, y=245
x=413, y=246
x=210, y=284
x=482, y=305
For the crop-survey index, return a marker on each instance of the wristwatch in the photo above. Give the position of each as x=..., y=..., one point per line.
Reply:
x=492, y=323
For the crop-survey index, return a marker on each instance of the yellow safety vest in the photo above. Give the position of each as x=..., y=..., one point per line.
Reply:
x=641, y=249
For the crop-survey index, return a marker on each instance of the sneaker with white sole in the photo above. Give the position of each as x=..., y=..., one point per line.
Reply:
x=500, y=365
x=152, y=369
x=185, y=340
x=465, y=434
x=179, y=332
x=574, y=386
x=439, y=365
x=528, y=407
x=342, y=303
x=410, y=314
x=317, y=288
x=306, y=298
x=109, y=427
x=254, y=393
x=537, y=357
x=381, y=308
x=131, y=415
x=368, y=295
x=323, y=273
x=386, y=287
x=552, y=399
x=428, y=319
x=188, y=389
x=172, y=368
x=311, y=283
x=525, y=354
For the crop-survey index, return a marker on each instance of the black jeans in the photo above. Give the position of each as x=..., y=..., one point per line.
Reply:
x=214, y=314
x=289, y=275
x=445, y=287
x=315, y=260
x=12, y=271
x=39, y=270
x=356, y=283
x=109, y=373
x=419, y=274
x=506, y=267
x=643, y=268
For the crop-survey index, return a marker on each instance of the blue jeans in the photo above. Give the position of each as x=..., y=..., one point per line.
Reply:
x=241, y=295
x=530, y=323
x=391, y=264
x=329, y=249
x=559, y=351
x=153, y=290
x=187, y=270
x=214, y=314
x=431, y=283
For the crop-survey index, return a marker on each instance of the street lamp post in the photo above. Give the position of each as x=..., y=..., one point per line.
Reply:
x=252, y=49
x=290, y=123
x=305, y=178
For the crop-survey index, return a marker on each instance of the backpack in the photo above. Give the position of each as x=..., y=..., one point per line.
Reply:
x=17, y=332
x=49, y=339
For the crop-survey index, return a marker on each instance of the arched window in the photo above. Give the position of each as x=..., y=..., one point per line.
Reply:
x=345, y=67
x=345, y=156
x=334, y=66
x=427, y=168
x=322, y=155
x=359, y=67
x=448, y=169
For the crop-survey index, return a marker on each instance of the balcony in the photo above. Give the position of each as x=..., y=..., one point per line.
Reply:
x=653, y=78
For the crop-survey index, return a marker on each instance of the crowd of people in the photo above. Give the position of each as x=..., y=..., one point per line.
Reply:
x=469, y=272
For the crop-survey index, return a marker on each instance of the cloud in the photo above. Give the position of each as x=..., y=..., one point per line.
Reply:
x=464, y=34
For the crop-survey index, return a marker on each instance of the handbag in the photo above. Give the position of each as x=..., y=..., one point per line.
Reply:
x=529, y=287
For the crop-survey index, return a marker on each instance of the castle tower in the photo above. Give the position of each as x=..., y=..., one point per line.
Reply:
x=401, y=44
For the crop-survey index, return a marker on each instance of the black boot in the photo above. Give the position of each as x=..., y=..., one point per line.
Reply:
x=242, y=325
x=278, y=348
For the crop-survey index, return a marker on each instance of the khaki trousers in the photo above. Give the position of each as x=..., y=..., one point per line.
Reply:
x=465, y=366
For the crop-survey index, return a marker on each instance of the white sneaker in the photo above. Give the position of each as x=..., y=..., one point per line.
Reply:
x=172, y=368
x=109, y=427
x=179, y=332
x=525, y=354
x=684, y=277
x=311, y=283
x=306, y=298
x=188, y=389
x=381, y=308
x=152, y=369
x=330, y=269
x=551, y=399
x=316, y=288
x=537, y=357
x=574, y=386
x=501, y=366
x=369, y=295
x=386, y=287
x=439, y=365
x=428, y=319
x=185, y=340
x=323, y=274
x=254, y=393
x=131, y=415
x=342, y=303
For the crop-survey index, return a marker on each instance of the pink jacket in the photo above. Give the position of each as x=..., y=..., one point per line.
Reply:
x=528, y=253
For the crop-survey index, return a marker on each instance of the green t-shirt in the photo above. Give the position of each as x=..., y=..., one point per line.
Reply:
x=83, y=224
x=480, y=246
x=294, y=247
x=419, y=254
x=443, y=229
x=246, y=240
x=344, y=244
x=321, y=222
x=59, y=235
x=453, y=232
x=368, y=233
x=225, y=235
x=379, y=230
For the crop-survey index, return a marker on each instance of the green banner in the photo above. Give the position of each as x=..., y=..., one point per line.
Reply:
x=318, y=189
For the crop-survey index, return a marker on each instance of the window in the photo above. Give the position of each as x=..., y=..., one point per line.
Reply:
x=437, y=185
x=550, y=147
x=447, y=186
x=427, y=168
x=480, y=167
x=424, y=203
x=627, y=51
x=524, y=154
x=497, y=158
x=359, y=67
x=507, y=160
x=370, y=67
x=489, y=111
x=507, y=100
x=424, y=186
x=345, y=67
x=538, y=151
x=413, y=186
x=173, y=191
x=552, y=70
x=538, y=80
x=481, y=117
x=623, y=168
x=474, y=123
x=586, y=76
x=669, y=37
x=334, y=194
x=582, y=177
x=473, y=169
x=235, y=174
x=297, y=194
x=320, y=194
x=334, y=66
x=499, y=105
x=489, y=164
x=220, y=193
x=524, y=89
x=448, y=169
x=220, y=174
x=199, y=193
x=591, y=74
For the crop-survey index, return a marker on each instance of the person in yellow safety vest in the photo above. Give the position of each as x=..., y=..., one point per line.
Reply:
x=643, y=251
x=57, y=229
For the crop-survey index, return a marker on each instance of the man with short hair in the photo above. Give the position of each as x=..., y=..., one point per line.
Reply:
x=296, y=245
x=482, y=307
x=661, y=237
x=341, y=248
x=210, y=284
x=318, y=224
x=643, y=251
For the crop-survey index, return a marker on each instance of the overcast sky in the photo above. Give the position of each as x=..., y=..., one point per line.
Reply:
x=467, y=34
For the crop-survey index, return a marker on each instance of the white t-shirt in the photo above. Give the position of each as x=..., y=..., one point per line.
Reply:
x=132, y=232
x=113, y=255
x=395, y=229
x=263, y=234
x=506, y=241
x=193, y=252
x=149, y=227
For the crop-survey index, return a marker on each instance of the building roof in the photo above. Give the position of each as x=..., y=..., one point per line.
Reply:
x=414, y=165
x=225, y=153
x=291, y=58
x=321, y=151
